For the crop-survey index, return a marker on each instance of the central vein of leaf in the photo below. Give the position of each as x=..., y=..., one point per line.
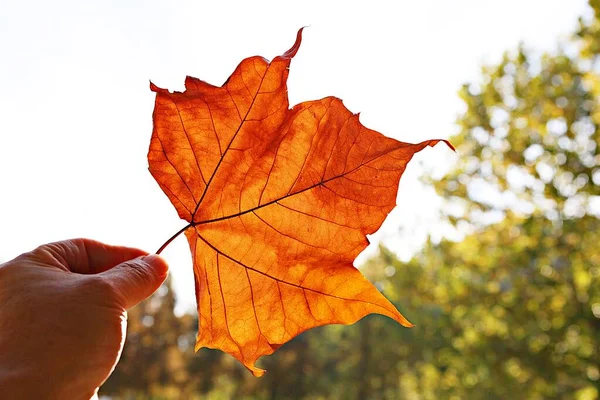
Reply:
x=243, y=120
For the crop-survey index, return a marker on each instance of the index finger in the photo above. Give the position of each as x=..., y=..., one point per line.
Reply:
x=85, y=256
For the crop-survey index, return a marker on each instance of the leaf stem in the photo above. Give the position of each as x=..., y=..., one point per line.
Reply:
x=179, y=232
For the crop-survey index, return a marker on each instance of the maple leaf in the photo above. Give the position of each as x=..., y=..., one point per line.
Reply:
x=278, y=203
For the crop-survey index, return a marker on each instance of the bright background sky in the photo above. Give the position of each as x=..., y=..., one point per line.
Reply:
x=75, y=107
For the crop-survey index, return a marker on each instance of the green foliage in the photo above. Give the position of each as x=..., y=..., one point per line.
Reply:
x=511, y=311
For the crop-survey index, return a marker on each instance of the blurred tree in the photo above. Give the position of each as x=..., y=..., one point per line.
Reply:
x=519, y=297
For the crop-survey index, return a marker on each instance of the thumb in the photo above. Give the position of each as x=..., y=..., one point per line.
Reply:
x=137, y=279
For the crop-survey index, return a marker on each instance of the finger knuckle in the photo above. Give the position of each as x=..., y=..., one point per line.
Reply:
x=98, y=285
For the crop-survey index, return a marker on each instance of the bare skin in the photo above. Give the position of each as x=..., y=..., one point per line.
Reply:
x=63, y=316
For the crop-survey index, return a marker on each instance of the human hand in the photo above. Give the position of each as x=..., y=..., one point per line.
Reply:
x=63, y=316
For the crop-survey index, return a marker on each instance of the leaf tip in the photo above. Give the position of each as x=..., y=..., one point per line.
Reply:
x=192, y=83
x=294, y=49
x=403, y=321
x=433, y=142
x=449, y=145
x=257, y=372
x=155, y=88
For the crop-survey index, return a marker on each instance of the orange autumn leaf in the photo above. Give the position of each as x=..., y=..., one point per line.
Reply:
x=279, y=202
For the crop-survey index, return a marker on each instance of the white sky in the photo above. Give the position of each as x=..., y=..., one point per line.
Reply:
x=75, y=107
